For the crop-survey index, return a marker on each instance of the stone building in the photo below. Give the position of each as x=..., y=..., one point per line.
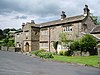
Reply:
x=41, y=36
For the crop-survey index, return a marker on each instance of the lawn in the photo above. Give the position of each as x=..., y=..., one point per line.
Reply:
x=88, y=60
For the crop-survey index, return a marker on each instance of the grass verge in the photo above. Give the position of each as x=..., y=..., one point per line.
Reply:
x=87, y=60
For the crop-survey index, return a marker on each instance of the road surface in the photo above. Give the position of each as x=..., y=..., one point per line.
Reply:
x=18, y=64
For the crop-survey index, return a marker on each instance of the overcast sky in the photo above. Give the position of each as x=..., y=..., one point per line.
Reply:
x=14, y=12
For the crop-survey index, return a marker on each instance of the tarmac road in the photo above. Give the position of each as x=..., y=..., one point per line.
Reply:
x=18, y=64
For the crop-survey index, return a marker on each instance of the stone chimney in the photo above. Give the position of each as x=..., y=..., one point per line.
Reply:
x=86, y=10
x=23, y=24
x=32, y=21
x=63, y=15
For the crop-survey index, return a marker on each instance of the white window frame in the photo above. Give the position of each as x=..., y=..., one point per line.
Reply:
x=68, y=28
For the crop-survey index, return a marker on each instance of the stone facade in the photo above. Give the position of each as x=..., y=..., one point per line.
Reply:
x=41, y=36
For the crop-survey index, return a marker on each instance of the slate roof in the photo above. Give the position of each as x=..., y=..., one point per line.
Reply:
x=66, y=20
x=19, y=31
x=96, y=29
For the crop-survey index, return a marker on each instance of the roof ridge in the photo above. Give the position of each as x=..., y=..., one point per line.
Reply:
x=62, y=20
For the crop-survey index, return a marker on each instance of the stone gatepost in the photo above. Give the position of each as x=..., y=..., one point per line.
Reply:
x=98, y=46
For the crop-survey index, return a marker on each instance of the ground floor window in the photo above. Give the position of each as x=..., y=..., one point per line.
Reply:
x=44, y=45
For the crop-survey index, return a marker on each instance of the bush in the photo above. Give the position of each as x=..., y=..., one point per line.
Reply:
x=66, y=53
x=69, y=53
x=45, y=55
x=61, y=52
x=38, y=51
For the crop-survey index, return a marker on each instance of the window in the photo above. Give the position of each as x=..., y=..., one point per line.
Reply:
x=44, y=32
x=68, y=28
x=44, y=45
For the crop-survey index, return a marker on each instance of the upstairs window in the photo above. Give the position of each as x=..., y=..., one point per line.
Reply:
x=44, y=32
x=68, y=28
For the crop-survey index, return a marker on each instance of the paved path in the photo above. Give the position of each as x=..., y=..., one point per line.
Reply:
x=18, y=64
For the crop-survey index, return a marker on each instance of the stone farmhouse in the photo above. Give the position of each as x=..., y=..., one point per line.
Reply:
x=41, y=36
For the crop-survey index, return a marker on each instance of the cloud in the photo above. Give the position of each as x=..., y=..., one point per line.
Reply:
x=42, y=10
x=20, y=17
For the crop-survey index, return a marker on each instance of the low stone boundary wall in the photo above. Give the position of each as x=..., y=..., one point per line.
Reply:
x=10, y=49
x=99, y=57
x=3, y=48
x=77, y=53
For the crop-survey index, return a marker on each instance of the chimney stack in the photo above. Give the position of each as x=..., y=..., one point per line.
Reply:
x=23, y=24
x=32, y=21
x=86, y=10
x=63, y=15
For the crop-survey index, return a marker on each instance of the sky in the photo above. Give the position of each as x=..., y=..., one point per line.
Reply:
x=15, y=12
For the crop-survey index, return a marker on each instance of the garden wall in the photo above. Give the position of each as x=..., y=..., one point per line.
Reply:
x=77, y=53
x=10, y=49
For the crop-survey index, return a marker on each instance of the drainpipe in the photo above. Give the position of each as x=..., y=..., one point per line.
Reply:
x=49, y=39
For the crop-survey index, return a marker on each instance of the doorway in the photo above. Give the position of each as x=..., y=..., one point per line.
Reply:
x=27, y=47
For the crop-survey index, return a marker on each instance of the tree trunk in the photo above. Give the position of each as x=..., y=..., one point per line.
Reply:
x=56, y=51
x=81, y=53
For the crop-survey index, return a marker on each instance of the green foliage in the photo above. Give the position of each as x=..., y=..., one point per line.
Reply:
x=5, y=41
x=6, y=31
x=1, y=34
x=87, y=43
x=55, y=44
x=61, y=52
x=75, y=45
x=95, y=18
x=63, y=38
x=11, y=43
x=38, y=51
x=66, y=53
x=45, y=55
x=6, y=37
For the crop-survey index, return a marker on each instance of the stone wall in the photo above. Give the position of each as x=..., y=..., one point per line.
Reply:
x=77, y=53
x=11, y=49
x=99, y=55
x=90, y=24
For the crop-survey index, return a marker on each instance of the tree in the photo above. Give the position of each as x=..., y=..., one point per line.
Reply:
x=13, y=29
x=1, y=34
x=95, y=18
x=10, y=43
x=63, y=38
x=6, y=40
x=6, y=31
x=55, y=44
x=75, y=46
x=87, y=43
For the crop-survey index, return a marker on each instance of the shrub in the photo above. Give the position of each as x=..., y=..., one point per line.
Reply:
x=61, y=52
x=38, y=51
x=45, y=55
x=69, y=53
x=88, y=42
x=48, y=55
x=65, y=53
